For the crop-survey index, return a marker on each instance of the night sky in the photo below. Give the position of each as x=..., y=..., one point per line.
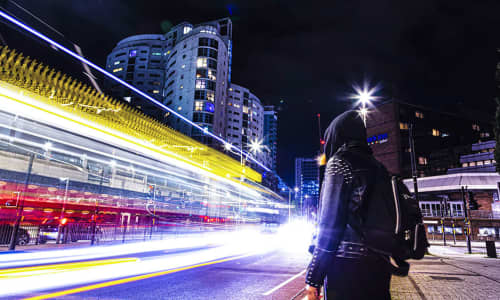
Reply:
x=309, y=53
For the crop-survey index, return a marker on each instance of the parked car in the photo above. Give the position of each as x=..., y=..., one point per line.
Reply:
x=23, y=237
x=74, y=231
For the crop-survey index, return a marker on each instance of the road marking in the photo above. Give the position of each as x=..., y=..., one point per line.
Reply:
x=64, y=267
x=129, y=279
x=283, y=283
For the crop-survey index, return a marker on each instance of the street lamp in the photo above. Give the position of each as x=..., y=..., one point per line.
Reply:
x=364, y=96
x=61, y=217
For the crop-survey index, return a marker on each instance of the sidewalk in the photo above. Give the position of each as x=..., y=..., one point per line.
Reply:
x=451, y=273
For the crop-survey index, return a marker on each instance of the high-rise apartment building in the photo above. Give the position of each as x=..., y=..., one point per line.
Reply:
x=271, y=133
x=245, y=121
x=307, y=180
x=188, y=69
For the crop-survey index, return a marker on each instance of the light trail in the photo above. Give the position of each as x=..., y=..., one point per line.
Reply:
x=127, y=280
x=9, y=106
x=124, y=83
x=96, y=274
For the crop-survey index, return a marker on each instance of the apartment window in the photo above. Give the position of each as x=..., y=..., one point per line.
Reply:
x=117, y=62
x=211, y=96
x=403, y=126
x=154, y=75
x=475, y=127
x=422, y=160
x=186, y=30
x=201, y=84
x=132, y=53
x=117, y=70
x=465, y=165
x=419, y=114
x=184, y=56
x=183, y=66
x=480, y=163
x=436, y=132
x=485, y=134
x=156, y=91
x=201, y=62
x=472, y=164
x=198, y=105
x=487, y=162
x=201, y=73
x=212, y=75
x=156, y=53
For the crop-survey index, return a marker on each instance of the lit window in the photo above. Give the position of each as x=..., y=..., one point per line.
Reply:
x=187, y=29
x=117, y=62
x=472, y=164
x=236, y=105
x=419, y=114
x=475, y=127
x=198, y=105
x=201, y=62
x=403, y=126
x=179, y=108
x=132, y=53
x=422, y=160
x=182, y=86
x=211, y=75
x=211, y=96
x=156, y=53
x=156, y=91
x=436, y=132
x=209, y=107
x=485, y=134
x=479, y=163
x=487, y=162
x=200, y=84
x=117, y=70
x=183, y=66
x=245, y=109
x=465, y=165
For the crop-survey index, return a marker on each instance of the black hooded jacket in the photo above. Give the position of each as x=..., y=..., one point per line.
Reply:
x=350, y=173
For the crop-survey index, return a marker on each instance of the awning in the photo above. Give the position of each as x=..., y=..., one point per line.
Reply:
x=454, y=182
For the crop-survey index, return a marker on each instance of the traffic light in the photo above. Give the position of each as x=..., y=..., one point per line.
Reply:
x=473, y=205
x=151, y=190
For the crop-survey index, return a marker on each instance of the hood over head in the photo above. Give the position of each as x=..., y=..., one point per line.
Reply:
x=347, y=128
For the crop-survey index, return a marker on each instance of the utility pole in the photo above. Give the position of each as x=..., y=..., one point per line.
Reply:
x=20, y=209
x=466, y=221
x=442, y=220
x=413, y=161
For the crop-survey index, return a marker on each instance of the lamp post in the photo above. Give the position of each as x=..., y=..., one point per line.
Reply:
x=61, y=217
x=364, y=96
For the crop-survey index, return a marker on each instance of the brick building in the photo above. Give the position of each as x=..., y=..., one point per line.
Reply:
x=440, y=138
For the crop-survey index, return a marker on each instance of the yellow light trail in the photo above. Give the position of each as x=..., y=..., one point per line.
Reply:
x=127, y=280
x=57, y=268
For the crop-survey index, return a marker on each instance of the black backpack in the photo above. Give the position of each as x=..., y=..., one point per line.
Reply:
x=410, y=237
x=391, y=221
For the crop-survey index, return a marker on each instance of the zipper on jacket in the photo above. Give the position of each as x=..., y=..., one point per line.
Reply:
x=416, y=237
x=396, y=203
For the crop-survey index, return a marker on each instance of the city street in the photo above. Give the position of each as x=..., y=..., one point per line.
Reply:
x=224, y=272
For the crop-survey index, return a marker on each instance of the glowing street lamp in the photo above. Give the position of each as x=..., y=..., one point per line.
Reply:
x=364, y=96
x=255, y=146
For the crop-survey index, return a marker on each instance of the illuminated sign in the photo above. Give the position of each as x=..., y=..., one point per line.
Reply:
x=377, y=139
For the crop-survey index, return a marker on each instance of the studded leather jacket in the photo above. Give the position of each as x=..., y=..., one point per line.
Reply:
x=348, y=177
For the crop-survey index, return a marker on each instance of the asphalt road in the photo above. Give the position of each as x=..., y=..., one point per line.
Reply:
x=276, y=274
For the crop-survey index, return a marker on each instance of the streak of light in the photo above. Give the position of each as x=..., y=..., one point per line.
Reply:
x=124, y=83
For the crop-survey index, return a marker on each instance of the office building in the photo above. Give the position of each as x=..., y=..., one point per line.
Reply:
x=271, y=133
x=188, y=69
x=307, y=181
